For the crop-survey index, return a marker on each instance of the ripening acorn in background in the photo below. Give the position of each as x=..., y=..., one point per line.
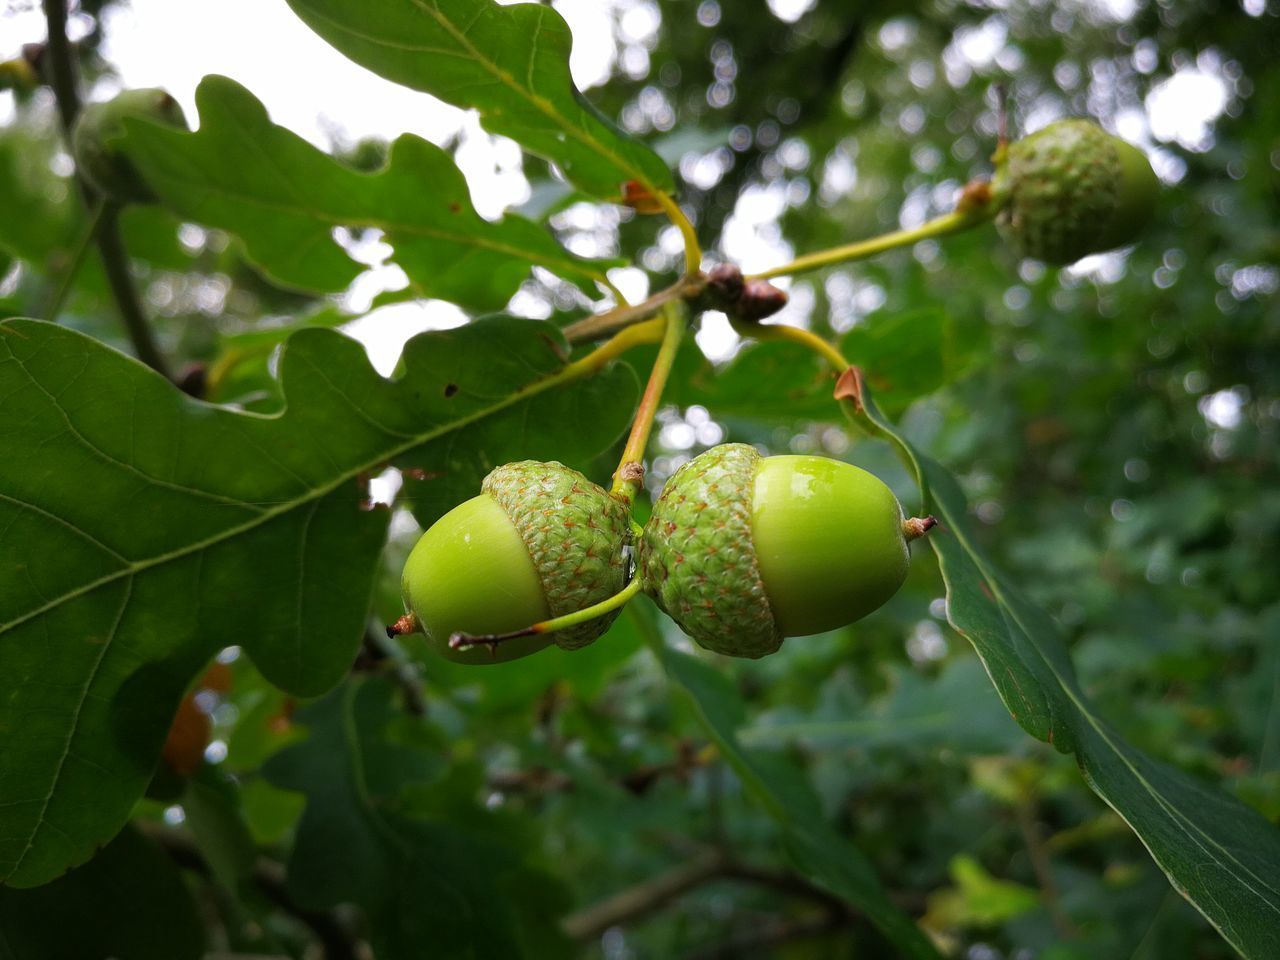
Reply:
x=743, y=550
x=1072, y=189
x=100, y=160
x=540, y=541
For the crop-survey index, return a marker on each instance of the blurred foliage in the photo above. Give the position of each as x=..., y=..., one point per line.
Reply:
x=1115, y=426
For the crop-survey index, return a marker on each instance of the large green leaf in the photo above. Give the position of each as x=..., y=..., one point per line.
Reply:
x=814, y=847
x=143, y=530
x=430, y=888
x=1218, y=853
x=283, y=198
x=130, y=902
x=509, y=62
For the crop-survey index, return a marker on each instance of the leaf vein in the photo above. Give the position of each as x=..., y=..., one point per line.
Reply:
x=40, y=820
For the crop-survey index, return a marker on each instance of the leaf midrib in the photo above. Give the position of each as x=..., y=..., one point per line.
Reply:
x=40, y=820
x=1218, y=855
x=1204, y=841
x=284, y=506
x=1207, y=843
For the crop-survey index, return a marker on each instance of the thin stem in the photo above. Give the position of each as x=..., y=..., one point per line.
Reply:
x=701, y=866
x=776, y=933
x=461, y=641
x=626, y=480
x=62, y=71
x=69, y=272
x=977, y=205
x=948, y=223
x=913, y=528
x=619, y=297
x=625, y=314
x=805, y=338
x=643, y=899
x=692, y=249
x=611, y=321
x=650, y=331
x=115, y=259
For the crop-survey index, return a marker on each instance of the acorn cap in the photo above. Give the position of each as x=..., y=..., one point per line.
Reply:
x=699, y=559
x=1073, y=189
x=574, y=532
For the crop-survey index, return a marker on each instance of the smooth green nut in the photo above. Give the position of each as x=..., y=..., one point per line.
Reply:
x=1072, y=189
x=540, y=541
x=744, y=550
x=99, y=158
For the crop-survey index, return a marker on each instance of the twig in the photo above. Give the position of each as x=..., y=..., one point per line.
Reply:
x=62, y=75
x=611, y=321
x=110, y=243
x=268, y=876
x=541, y=779
x=966, y=215
x=775, y=934
x=533, y=780
x=72, y=268
x=644, y=898
x=460, y=640
x=702, y=866
x=630, y=473
x=115, y=260
x=784, y=882
x=1043, y=870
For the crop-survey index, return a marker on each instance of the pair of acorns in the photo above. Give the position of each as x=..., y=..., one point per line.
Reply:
x=740, y=550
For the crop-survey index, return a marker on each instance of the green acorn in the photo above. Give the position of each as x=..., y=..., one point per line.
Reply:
x=100, y=159
x=1073, y=189
x=744, y=550
x=540, y=541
